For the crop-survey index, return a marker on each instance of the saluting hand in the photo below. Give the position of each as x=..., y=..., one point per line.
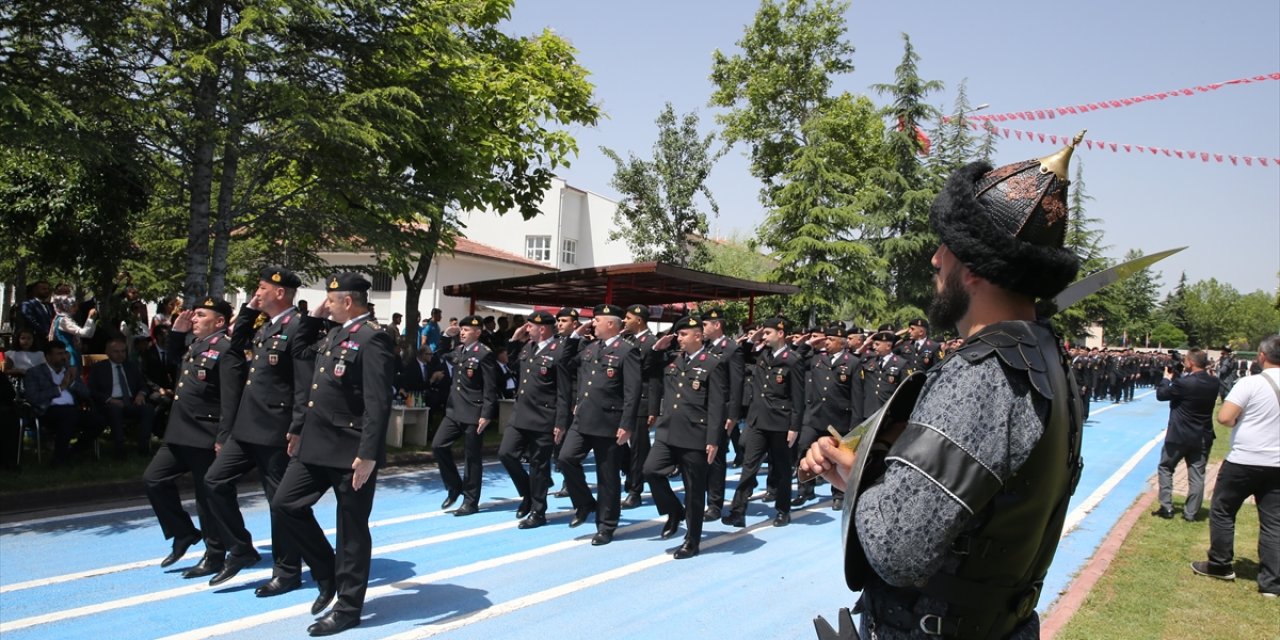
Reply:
x=182, y=324
x=363, y=469
x=664, y=342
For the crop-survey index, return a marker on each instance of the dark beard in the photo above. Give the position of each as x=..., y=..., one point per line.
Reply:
x=949, y=305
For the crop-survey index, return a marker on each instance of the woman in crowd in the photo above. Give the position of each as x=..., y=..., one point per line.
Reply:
x=66, y=331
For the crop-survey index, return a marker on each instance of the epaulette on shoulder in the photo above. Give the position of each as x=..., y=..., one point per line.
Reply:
x=1016, y=346
x=373, y=324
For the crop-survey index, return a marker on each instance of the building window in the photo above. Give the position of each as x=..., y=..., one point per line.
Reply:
x=569, y=252
x=381, y=282
x=537, y=248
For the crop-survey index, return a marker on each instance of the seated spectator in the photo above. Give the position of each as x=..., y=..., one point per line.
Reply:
x=24, y=355
x=428, y=376
x=119, y=392
x=55, y=394
x=158, y=367
x=66, y=331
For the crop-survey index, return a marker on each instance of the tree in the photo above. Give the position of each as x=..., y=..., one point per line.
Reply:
x=738, y=257
x=1136, y=300
x=1210, y=312
x=1166, y=336
x=1174, y=308
x=658, y=215
x=1255, y=318
x=1085, y=239
x=954, y=146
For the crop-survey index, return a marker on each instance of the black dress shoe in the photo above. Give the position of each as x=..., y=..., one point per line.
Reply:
x=1162, y=512
x=631, y=501
x=837, y=503
x=782, y=519
x=711, y=514
x=524, y=509
x=602, y=538
x=467, y=509
x=333, y=622
x=534, y=521
x=580, y=516
x=769, y=496
x=208, y=565
x=686, y=550
x=735, y=520
x=180, y=546
x=277, y=586
x=327, y=591
x=450, y=499
x=233, y=566
x=562, y=493
x=800, y=499
x=672, y=527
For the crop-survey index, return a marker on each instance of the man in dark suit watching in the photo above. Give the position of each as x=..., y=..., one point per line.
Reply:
x=1189, y=437
x=472, y=405
x=55, y=394
x=119, y=392
x=427, y=375
x=340, y=445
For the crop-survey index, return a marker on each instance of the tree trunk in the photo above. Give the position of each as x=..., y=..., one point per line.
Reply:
x=227, y=185
x=414, y=282
x=204, y=118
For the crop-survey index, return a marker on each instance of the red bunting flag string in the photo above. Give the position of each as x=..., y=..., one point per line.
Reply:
x=1051, y=114
x=1118, y=147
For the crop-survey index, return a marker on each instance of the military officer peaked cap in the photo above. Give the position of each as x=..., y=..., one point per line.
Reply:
x=567, y=312
x=639, y=311
x=777, y=323
x=471, y=321
x=607, y=310
x=348, y=281
x=281, y=277
x=687, y=322
x=714, y=313
x=541, y=318
x=1009, y=225
x=216, y=305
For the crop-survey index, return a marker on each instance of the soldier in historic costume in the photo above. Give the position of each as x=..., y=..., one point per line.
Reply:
x=636, y=332
x=694, y=400
x=472, y=406
x=273, y=402
x=713, y=325
x=211, y=379
x=543, y=402
x=919, y=350
x=608, y=401
x=340, y=445
x=951, y=532
x=833, y=399
x=882, y=372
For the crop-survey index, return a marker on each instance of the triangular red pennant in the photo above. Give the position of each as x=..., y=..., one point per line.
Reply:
x=1248, y=161
x=1113, y=146
x=1233, y=160
x=1139, y=147
x=1127, y=148
x=1165, y=151
x=1218, y=157
x=1089, y=143
x=1005, y=132
x=1178, y=153
x=1263, y=161
x=1053, y=139
x=1017, y=133
x=1041, y=135
x=1204, y=156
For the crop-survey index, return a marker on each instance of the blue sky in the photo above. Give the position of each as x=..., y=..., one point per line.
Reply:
x=1015, y=57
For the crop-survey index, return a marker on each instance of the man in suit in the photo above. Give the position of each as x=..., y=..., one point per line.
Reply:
x=773, y=420
x=204, y=406
x=120, y=392
x=427, y=375
x=55, y=393
x=919, y=350
x=542, y=405
x=832, y=397
x=340, y=445
x=694, y=399
x=719, y=345
x=882, y=372
x=635, y=324
x=608, y=400
x=37, y=312
x=472, y=405
x=273, y=402
x=1189, y=437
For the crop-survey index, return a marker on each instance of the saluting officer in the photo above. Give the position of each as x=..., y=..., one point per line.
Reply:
x=566, y=326
x=201, y=415
x=273, y=402
x=730, y=352
x=694, y=395
x=635, y=324
x=472, y=405
x=542, y=404
x=773, y=420
x=919, y=350
x=882, y=373
x=607, y=402
x=340, y=445
x=833, y=396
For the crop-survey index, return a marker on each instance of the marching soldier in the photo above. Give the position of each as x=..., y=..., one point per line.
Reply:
x=694, y=398
x=273, y=403
x=719, y=345
x=919, y=350
x=607, y=402
x=340, y=445
x=542, y=404
x=566, y=326
x=833, y=396
x=472, y=405
x=773, y=420
x=636, y=331
x=881, y=373
x=204, y=408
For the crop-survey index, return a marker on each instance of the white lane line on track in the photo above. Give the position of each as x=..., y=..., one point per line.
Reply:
x=1084, y=508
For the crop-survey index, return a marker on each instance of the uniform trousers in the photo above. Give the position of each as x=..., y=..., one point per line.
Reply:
x=758, y=442
x=235, y=460
x=633, y=455
x=302, y=486
x=807, y=437
x=1235, y=483
x=468, y=484
x=717, y=471
x=533, y=484
x=573, y=451
x=692, y=463
x=161, y=476
x=1170, y=456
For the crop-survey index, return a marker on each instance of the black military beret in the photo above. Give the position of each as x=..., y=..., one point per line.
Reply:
x=281, y=277
x=640, y=311
x=687, y=322
x=887, y=336
x=714, y=313
x=607, y=310
x=216, y=305
x=854, y=330
x=348, y=281
x=835, y=330
x=471, y=321
x=567, y=312
x=541, y=318
x=777, y=323
x=919, y=322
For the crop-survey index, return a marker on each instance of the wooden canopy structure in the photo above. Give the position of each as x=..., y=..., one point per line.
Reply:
x=649, y=283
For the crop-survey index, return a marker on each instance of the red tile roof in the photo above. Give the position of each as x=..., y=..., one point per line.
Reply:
x=473, y=248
